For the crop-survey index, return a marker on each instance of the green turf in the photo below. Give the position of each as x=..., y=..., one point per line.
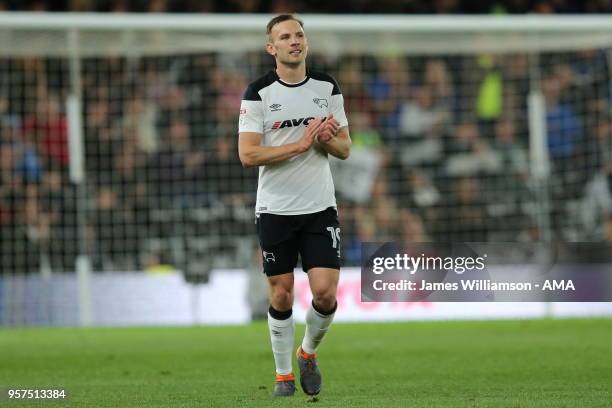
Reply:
x=540, y=363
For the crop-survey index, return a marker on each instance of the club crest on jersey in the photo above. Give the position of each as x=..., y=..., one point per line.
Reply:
x=321, y=102
x=275, y=107
x=269, y=256
x=279, y=124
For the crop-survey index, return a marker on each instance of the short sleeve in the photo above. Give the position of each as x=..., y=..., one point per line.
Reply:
x=337, y=109
x=336, y=101
x=251, y=113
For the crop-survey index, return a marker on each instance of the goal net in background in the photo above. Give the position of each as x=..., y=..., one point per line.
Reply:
x=119, y=136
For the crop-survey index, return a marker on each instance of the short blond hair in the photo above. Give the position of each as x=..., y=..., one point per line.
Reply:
x=279, y=19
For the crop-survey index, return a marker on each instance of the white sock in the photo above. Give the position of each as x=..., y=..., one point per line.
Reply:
x=317, y=325
x=281, y=337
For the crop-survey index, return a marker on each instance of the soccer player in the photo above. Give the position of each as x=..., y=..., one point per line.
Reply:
x=290, y=120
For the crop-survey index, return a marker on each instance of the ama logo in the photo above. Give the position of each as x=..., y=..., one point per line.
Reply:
x=291, y=123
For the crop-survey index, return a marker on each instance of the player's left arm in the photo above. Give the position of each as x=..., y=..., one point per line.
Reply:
x=334, y=137
x=335, y=140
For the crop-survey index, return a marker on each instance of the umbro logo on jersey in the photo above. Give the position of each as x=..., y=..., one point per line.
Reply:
x=291, y=123
x=275, y=107
x=321, y=102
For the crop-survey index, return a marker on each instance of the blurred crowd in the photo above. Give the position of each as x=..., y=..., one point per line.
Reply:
x=159, y=138
x=440, y=154
x=456, y=166
x=315, y=6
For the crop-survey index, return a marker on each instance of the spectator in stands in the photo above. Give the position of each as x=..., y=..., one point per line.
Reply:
x=385, y=210
x=33, y=230
x=11, y=200
x=227, y=182
x=122, y=211
x=130, y=182
x=102, y=138
x=229, y=87
x=174, y=171
x=23, y=81
x=468, y=153
x=517, y=79
x=139, y=120
x=172, y=102
x=562, y=124
x=566, y=140
x=48, y=127
x=437, y=78
x=596, y=206
x=58, y=199
x=9, y=179
x=508, y=187
x=490, y=96
x=195, y=75
x=387, y=90
x=465, y=216
x=513, y=155
x=412, y=228
x=424, y=119
x=228, y=188
x=603, y=144
x=363, y=134
x=350, y=75
x=419, y=193
x=8, y=119
x=466, y=139
x=116, y=237
x=22, y=227
x=420, y=118
x=24, y=159
x=362, y=223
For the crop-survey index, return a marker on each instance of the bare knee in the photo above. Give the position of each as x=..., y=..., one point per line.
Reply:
x=323, y=285
x=325, y=299
x=281, y=298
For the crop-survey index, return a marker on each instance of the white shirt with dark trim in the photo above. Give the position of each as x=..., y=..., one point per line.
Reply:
x=279, y=111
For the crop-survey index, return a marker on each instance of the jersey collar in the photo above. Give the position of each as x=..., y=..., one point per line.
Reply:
x=280, y=81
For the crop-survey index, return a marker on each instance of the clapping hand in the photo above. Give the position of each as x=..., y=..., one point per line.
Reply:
x=328, y=130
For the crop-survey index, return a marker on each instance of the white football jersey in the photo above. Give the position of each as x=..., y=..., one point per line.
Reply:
x=280, y=111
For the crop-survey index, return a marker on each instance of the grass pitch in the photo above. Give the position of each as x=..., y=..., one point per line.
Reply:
x=537, y=363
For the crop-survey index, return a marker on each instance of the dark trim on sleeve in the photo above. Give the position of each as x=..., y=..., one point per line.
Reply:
x=251, y=94
x=252, y=91
x=321, y=76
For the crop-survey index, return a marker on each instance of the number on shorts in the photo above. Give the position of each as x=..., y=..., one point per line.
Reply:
x=335, y=234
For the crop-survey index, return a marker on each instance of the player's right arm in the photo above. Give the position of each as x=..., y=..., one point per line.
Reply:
x=252, y=153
